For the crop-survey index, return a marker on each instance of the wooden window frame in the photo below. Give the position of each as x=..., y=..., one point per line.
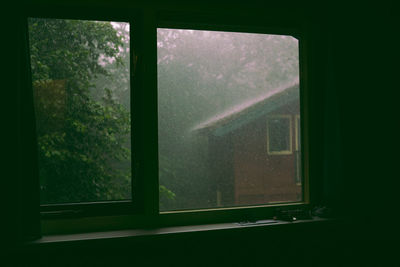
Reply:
x=89, y=217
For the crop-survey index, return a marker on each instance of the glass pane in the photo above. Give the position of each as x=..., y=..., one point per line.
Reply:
x=216, y=91
x=278, y=129
x=81, y=87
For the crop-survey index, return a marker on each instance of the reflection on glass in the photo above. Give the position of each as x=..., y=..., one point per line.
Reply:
x=220, y=96
x=80, y=81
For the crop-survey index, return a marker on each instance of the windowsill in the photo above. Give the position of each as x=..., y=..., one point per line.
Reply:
x=136, y=233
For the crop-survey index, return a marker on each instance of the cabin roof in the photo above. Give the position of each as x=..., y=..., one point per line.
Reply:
x=245, y=112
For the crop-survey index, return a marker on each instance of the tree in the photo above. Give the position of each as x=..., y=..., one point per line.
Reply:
x=80, y=139
x=117, y=78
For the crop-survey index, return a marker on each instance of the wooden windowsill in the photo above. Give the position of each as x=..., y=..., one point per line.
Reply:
x=176, y=230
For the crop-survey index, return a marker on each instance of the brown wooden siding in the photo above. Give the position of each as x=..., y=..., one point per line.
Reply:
x=259, y=177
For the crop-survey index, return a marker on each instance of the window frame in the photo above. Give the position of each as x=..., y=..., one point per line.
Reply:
x=298, y=177
x=87, y=217
x=133, y=17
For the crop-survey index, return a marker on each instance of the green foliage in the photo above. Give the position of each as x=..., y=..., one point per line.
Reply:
x=80, y=73
x=83, y=153
x=71, y=49
x=167, y=197
x=118, y=79
x=166, y=174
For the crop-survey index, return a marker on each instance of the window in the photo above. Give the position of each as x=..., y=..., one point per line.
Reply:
x=216, y=91
x=279, y=135
x=147, y=122
x=80, y=80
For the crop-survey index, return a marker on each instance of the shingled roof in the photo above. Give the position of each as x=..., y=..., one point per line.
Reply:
x=248, y=111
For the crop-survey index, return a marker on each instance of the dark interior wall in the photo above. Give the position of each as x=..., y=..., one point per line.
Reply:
x=359, y=40
x=363, y=68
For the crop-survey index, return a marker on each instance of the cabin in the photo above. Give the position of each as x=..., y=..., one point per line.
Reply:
x=262, y=138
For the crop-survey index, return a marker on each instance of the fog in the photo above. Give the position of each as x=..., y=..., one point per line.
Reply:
x=203, y=76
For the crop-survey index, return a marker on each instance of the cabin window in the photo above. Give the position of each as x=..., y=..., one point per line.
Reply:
x=279, y=135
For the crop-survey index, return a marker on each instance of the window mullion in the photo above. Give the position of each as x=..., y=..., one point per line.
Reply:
x=148, y=119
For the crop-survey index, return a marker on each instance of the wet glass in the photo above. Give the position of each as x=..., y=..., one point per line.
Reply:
x=81, y=91
x=228, y=119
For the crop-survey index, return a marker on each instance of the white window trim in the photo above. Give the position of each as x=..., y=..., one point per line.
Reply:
x=297, y=130
x=297, y=147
